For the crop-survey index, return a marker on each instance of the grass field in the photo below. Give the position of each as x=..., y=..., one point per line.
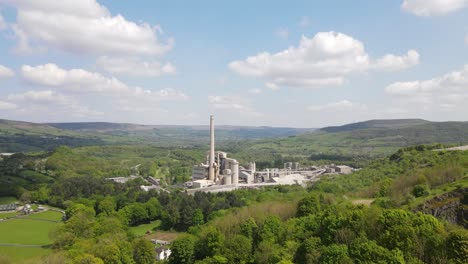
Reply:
x=27, y=231
x=7, y=200
x=19, y=254
x=141, y=229
x=47, y=215
x=6, y=215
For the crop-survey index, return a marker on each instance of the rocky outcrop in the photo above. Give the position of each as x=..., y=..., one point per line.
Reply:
x=451, y=206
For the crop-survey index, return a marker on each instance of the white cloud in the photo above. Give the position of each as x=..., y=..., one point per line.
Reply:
x=50, y=102
x=83, y=27
x=134, y=66
x=282, y=33
x=6, y=72
x=325, y=59
x=40, y=97
x=391, y=62
x=7, y=105
x=227, y=102
x=305, y=21
x=447, y=90
x=432, y=7
x=234, y=104
x=3, y=24
x=343, y=105
x=78, y=80
x=82, y=81
x=255, y=91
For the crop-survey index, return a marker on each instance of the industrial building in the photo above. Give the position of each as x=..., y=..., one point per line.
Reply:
x=220, y=173
x=218, y=169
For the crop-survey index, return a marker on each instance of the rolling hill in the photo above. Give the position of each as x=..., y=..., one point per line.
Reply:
x=17, y=136
x=354, y=142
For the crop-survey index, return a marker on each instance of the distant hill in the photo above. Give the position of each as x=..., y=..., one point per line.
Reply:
x=353, y=142
x=377, y=123
x=16, y=136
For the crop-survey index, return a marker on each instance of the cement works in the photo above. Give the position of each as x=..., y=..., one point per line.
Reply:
x=220, y=173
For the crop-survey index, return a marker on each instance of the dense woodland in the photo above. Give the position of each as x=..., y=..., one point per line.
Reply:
x=284, y=224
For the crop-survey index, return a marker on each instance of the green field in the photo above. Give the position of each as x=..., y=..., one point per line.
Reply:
x=141, y=229
x=7, y=215
x=7, y=200
x=48, y=215
x=19, y=254
x=27, y=231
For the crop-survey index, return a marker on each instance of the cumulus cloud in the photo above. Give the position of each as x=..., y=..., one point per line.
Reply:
x=227, y=102
x=83, y=27
x=391, y=62
x=75, y=79
x=134, y=66
x=42, y=97
x=325, y=59
x=2, y=23
x=50, y=101
x=6, y=72
x=343, y=105
x=82, y=81
x=448, y=89
x=7, y=105
x=432, y=7
x=234, y=104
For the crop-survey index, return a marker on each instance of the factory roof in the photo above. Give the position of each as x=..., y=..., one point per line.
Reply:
x=289, y=179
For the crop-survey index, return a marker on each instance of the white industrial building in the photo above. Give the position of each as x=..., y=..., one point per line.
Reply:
x=221, y=173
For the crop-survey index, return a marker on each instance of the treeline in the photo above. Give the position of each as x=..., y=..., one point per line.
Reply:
x=401, y=177
x=96, y=229
x=25, y=142
x=323, y=231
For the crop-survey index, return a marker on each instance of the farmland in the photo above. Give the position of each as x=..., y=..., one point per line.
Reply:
x=27, y=237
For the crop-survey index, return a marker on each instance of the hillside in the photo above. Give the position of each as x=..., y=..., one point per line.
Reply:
x=354, y=143
x=377, y=123
x=17, y=136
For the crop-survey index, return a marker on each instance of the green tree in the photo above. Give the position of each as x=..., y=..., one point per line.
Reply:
x=87, y=259
x=335, y=254
x=182, y=250
x=107, y=206
x=237, y=249
x=457, y=246
x=210, y=243
x=309, y=205
x=143, y=251
x=197, y=218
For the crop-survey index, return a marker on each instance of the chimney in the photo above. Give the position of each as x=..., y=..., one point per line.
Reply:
x=211, y=172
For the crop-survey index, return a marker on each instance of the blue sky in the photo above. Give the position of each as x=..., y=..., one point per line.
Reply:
x=276, y=63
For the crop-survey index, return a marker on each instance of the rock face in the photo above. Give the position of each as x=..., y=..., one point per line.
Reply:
x=451, y=206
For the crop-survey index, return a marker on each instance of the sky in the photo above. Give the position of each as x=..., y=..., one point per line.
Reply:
x=253, y=63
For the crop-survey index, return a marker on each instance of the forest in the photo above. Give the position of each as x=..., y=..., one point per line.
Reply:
x=283, y=224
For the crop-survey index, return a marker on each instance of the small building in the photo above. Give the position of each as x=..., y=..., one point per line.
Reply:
x=202, y=183
x=343, y=169
x=7, y=207
x=162, y=253
x=123, y=179
x=160, y=242
x=148, y=188
x=153, y=180
x=199, y=172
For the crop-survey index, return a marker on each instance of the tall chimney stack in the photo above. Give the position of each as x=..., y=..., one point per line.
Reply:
x=211, y=172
